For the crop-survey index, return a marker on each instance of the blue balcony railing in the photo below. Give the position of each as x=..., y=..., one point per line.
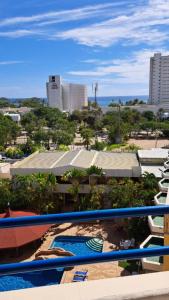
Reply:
x=23, y=267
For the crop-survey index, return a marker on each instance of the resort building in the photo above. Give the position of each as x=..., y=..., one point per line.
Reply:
x=158, y=226
x=112, y=164
x=15, y=110
x=159, y=79
x=152, y=161
x=77, y=276
x=66, y=96
x=15, y=117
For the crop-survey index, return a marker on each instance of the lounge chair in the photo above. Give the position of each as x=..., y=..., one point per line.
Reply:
x=81, y=273
x=80, y=276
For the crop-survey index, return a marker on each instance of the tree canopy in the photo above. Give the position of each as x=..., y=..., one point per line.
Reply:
x=9, y=130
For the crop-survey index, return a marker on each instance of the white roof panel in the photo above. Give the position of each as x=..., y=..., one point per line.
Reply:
x=156, y=170
x=153, y=153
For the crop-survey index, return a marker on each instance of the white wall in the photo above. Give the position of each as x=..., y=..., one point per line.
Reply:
x=74, y=97
x=14, y=117
x=143, y=287
x=54, y=92
x=66, y=96
x=159, y=79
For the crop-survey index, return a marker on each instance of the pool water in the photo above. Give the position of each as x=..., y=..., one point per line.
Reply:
x=155, y=242
x=158, y=221
x=162, y=198
x=29, y=280
x=75, y=244
x=165, y=183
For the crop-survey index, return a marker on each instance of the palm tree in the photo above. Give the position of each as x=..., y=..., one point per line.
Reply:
x=96, y=197
x=87, y=135
x=94, y=172
x=36, y=191
x=149, y=180
x=75, y=176
x=44, y=186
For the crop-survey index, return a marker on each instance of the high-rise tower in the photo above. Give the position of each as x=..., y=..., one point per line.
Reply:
x=159, y=79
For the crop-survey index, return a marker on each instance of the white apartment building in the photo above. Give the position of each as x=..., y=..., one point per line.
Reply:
x=66, y=96
x=15, y=117
x=159, y=79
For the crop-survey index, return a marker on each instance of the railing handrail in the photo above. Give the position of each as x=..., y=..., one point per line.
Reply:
x=42, y=265
x=23, y=267
x=84, y=216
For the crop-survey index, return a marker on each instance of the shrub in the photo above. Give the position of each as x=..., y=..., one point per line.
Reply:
x=94, y=170
x=132, y=147
x=14, y=153
x=63, y=147
x=99, y=146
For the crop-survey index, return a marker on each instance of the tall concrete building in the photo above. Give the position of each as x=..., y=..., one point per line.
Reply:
x=159, y=79
x=66, y=96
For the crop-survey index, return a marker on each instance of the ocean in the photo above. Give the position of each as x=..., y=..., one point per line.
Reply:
x=102, y=100
x=105, y=101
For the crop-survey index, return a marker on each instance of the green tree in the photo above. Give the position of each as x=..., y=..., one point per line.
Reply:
x=94, y=170
x=33, y=102
x=149, y=115
x=96, y=197
x=36, y=191
x=5, y=102
x=41, y=137
x=14, y=152
x=62, y=137
x=5, y=194
x=9, y=130
x=87, y=135
x=75, y=176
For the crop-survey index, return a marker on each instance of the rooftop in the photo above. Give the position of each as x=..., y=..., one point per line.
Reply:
x=154, y=153
x=113, y=164
x=156, y=170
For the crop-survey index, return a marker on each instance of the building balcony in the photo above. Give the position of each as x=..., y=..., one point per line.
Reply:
x=166, y=164
x=151, y=252
x=164, y=185
x=144, y=287
x=160, y=198
x=152, y=263
x=156, y=224
x=165, y=173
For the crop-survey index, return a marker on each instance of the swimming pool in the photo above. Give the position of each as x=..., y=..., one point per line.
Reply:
x=75, y=244
x=30, y=280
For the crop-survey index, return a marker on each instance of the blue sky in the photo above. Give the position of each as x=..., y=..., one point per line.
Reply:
x=85, y=41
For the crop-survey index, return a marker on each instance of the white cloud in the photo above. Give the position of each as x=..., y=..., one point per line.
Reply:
x=138, y=26
x=120, y=76
x=11, y=62
x=19, y=33
x=31, y=24
x=60, y=16
x=119, y=22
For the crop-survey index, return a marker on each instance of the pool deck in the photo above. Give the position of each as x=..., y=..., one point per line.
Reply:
x=97, y=271
x=109, y=231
